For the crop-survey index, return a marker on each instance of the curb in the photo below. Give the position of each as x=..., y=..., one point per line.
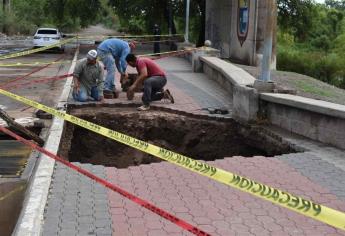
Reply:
x=32, y=215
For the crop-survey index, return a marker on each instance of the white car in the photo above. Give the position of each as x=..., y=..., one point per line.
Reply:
x=48, y=36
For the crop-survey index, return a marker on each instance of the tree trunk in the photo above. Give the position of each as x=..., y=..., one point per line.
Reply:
x=169, y=16
x=6, y=9
x=201, y=38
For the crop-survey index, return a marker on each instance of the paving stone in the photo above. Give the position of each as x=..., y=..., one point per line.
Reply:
x=104, y=231
x=315, y=168
x=103, y=223
x=211, y=206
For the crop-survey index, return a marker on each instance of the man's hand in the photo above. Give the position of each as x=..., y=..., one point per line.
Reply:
x=76, y=85
x=124, y=78
x=76, y=88
x=132, y=88
x=130, y=92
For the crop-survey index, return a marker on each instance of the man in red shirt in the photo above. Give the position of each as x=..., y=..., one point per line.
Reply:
x=153, y=79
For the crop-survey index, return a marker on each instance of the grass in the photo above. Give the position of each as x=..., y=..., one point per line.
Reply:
x=306, y=87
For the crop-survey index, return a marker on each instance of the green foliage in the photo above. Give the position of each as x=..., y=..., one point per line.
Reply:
x=339, y=44
x=69, y=15
x=328, y=67
x=322, y=42
x=297, y=16
x=312, y=44
x=107, y=15
x=139, y=16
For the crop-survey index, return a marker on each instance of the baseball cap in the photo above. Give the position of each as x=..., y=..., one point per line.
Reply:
x=92, y=55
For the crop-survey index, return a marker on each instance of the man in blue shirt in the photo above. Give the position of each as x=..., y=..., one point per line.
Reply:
x=113, y=51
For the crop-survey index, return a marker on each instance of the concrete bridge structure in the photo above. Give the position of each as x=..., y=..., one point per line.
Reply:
x=238, y=29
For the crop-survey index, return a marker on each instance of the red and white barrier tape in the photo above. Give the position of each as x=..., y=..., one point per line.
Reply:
x=32, y=72
x=179, y=222
x=44, y=80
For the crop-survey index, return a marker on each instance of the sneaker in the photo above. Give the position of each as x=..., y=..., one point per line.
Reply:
x=167, y=95
x=144, y=108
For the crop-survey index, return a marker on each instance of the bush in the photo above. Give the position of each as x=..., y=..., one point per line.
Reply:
x=70, y=25
x=329, y=68
x=13, y=25
x=322, y=42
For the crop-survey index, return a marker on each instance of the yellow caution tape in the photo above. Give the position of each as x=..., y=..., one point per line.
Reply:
x=18, y=64
x=28, y=52
x=170, y=52
x=130, y=36
x=305, y=207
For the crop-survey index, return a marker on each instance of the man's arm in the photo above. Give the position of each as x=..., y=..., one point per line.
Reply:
x=141, y=77
x=76, y=84
x=76, y=77
x=122, y=64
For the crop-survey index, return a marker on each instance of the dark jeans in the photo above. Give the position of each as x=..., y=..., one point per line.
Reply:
x=153, y=89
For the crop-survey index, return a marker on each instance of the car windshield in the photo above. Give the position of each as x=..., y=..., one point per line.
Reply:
x=46, y=32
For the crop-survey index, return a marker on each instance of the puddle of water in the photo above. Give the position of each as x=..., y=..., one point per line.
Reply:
x=11, y=50
x=13, y=158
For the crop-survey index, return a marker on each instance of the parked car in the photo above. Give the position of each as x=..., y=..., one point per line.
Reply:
x=48, y=36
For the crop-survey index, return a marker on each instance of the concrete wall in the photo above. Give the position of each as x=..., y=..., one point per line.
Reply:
x=218, y=25
x=315, y=119
x=318, y=120
x=238, y=83
x=221, y=29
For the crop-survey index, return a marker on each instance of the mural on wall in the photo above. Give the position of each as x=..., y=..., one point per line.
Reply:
x=243, y=20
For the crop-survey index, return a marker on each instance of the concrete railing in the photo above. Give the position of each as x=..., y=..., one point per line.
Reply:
x=237, y=82
x=315, y=119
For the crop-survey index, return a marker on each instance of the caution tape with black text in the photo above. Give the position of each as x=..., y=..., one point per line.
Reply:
x=300, y=205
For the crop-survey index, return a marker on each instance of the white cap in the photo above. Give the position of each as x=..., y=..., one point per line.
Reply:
x=92, y=54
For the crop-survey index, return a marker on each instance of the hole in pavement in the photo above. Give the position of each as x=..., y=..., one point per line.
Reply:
x=201, y=139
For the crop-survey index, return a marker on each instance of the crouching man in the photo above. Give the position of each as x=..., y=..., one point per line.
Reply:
x=153, y=79
x=88, y=79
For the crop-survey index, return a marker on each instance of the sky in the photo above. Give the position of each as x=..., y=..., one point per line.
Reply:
x=320, y=1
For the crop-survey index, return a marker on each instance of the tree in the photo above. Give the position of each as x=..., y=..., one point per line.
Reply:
x=340, y=5
x=298, y=16
x=166, y=13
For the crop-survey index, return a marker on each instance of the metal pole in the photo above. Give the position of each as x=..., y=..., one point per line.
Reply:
x=186, y=37
x=267, y=53
x=170, y=16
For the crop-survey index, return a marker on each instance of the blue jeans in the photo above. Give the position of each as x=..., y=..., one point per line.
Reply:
x=83, y=97
x=109, y=63
x=153, y=89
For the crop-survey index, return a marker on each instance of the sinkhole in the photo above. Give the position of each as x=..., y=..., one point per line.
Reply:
x=196, y=137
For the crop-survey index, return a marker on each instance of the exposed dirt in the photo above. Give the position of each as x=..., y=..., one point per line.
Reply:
x=305, y=86
x=197, y=138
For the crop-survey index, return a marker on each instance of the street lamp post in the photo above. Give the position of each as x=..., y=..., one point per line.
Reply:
x=186, y=37
x=268, y=42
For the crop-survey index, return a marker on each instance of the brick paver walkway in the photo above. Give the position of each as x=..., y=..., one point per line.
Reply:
x=78, y=206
